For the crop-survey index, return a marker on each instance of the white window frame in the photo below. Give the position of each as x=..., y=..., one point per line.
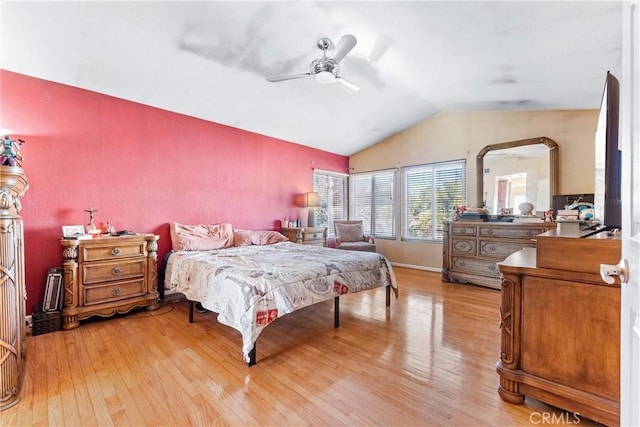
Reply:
x=367, y=212
x=441, y=206
x=332, y=213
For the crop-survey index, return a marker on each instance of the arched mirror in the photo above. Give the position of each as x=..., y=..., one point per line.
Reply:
x=515, y=172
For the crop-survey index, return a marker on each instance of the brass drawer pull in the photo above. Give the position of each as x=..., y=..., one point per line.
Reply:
x=115, y=271
x=115, y=292
x=115, y=251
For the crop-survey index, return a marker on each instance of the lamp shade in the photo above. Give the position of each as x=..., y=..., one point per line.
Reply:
x=311, y=200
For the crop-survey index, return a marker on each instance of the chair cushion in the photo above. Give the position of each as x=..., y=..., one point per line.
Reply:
x=358, y=246
x=350, y=232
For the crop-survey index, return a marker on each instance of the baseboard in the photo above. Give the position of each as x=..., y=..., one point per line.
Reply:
x=417, y=267
x=29, y=321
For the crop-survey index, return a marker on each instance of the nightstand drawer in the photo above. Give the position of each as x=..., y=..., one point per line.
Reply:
x=100, y=272
x=316, y=236
x=97, y=294
x=311, y=236
x=111, y=251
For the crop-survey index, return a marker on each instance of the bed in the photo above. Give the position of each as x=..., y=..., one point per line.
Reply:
x=250, y=286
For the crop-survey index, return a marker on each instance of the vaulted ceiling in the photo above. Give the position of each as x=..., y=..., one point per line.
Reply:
x=412, y=59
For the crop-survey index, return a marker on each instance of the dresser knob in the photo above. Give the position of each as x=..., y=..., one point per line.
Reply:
x=115, y=292
x=115, y=271
x=115, y=251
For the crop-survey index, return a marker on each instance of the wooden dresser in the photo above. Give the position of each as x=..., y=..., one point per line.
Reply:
x=471, y=249
x=316, y=236
x=108, y=275
x=560, y=326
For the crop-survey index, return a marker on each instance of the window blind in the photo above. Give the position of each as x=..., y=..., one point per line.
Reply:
x=332, y=191
x=372, y=201
x=430, y=192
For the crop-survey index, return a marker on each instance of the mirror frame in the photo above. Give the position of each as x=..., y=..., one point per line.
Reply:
x=554, y=175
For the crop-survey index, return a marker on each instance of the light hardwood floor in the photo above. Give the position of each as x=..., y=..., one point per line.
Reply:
x=427, y=360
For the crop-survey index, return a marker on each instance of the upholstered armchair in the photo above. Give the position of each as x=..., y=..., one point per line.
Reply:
x=349, y=235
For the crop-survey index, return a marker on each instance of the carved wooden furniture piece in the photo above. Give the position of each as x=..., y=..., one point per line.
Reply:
x=350, y=236
x=316, y=236
x=13, y=335
x=471, y=249
x=560, y=327
x=108, y=275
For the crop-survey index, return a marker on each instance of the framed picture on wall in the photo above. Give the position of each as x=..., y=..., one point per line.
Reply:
x=53, y=290
x=72, y=230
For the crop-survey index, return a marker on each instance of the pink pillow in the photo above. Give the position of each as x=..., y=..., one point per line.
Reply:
x=201, y=237
x=242, y=238
x=267, y=237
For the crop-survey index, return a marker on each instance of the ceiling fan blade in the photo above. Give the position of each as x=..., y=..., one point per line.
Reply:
x=347, y=84
x=381, y=46
x=289, y=77
x=344, y=46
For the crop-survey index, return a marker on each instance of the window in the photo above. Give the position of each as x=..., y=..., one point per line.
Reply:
x=429, y=194
x=332, y=189
x=372, y=200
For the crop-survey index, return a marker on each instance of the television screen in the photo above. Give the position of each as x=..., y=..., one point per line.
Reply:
x=607, y=198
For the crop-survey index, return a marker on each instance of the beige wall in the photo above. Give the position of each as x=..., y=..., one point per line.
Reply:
x=453, y=136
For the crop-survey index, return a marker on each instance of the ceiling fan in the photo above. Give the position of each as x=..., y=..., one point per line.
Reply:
x=327, y=70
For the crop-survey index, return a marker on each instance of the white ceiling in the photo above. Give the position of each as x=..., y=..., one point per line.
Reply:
x=211, y=59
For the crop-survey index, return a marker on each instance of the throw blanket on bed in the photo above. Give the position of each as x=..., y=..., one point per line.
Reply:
x=251, y=286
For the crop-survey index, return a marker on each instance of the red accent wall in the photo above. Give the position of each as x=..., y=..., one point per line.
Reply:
x=141, y=168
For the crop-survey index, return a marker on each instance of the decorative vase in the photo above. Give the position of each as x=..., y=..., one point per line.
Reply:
x=526, y=208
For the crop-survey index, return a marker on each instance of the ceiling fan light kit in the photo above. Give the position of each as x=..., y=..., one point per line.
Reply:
x=325, y=77
x=327, y=70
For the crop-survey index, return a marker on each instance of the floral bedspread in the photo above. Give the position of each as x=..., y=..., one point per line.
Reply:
x=251, y=286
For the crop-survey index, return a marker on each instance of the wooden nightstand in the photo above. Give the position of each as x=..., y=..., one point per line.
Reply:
x=108, y=275
x=316, y=236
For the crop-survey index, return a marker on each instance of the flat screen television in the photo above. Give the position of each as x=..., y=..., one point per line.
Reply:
x=607, y=199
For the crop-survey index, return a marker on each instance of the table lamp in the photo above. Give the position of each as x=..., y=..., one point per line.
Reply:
x=312, y=201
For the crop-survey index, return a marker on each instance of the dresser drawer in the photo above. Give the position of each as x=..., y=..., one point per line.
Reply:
x=510, y=232
x=501, y=249
x=475, y=266
x=462, y=230
x=101, y=293
x=124, y=269
x=463, y=246
x=111, y=251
